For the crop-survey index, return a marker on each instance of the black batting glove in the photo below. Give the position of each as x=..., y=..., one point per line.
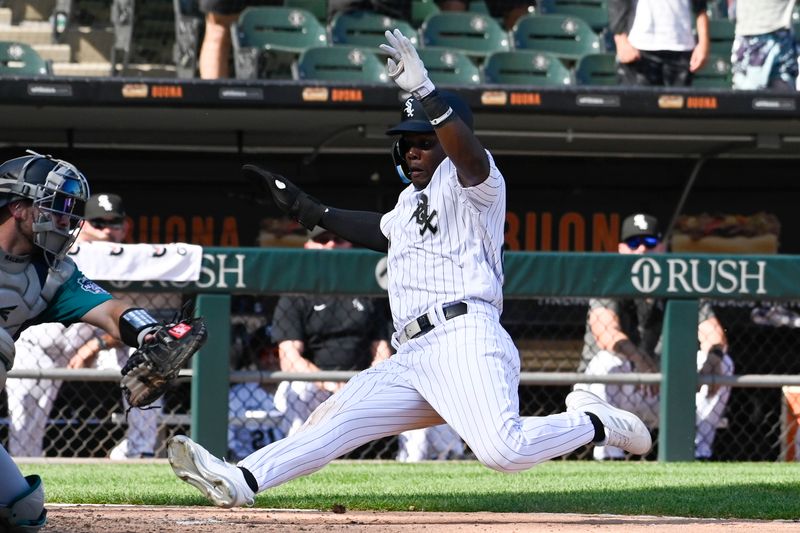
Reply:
x=302, y=207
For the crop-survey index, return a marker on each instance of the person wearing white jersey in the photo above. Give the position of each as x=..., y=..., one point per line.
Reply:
x=655, y=40
x=78, y=346
x=625, y=335
x=454, y=362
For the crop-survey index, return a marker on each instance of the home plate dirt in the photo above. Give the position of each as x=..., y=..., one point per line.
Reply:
x=147, y=519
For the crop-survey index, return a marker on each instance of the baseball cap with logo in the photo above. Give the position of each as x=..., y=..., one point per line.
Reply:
x=104, y=205
x=639, y=225
x=414, y=120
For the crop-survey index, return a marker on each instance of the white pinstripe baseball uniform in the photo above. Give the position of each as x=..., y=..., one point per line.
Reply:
x=445, y=247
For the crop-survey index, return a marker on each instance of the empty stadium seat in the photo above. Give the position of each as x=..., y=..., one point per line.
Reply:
x=721, y=34
x=340, y=63
x=715, y=74
x=597, y=69
x=563, y=35
x=367, y=28
x=449, y=67
x=594, y=12
x=525, y=67
x=318, y=8
x=267, y=38
x=421, y=10
x=475, y=34
x=19, y=59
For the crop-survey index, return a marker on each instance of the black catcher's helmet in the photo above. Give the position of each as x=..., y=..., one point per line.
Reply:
x=59, y=192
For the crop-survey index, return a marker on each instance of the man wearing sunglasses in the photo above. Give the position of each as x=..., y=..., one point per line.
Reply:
x=78, y=346
x=624, y=336
x=323, y=332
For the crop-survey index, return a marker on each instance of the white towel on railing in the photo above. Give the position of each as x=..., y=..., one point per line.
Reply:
x=138, y=262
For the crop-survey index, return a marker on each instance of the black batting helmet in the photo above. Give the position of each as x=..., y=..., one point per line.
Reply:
x=414, y=120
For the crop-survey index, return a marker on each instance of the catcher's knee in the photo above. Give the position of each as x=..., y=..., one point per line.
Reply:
x=26, y=513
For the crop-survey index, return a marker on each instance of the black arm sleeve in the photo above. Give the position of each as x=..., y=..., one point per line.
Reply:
x=620, y=16
x=358, y=227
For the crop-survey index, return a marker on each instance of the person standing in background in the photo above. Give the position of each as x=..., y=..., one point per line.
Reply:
x=215, y=51
x=655, y=41
x=764, y=54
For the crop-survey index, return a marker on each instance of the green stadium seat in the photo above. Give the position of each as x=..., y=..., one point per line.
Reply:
x=597, y=69
x=19, y=59
x=319, y=8
x=421, y=10
x=475, y=34
x=267, y=39
x=715, y=74
x=449, y=67
x=525, y=67
x=594, y=12
x=341, y=63
x=478, y=6
x=563, y=35
x=366, y=28
x=721, y=34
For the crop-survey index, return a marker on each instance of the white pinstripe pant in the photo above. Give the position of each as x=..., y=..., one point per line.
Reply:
x=464, y=372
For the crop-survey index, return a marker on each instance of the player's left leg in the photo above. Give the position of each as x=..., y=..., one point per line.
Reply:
x=376, y=403
x=468, y=370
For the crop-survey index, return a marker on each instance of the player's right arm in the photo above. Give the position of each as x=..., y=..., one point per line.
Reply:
x=456, y=138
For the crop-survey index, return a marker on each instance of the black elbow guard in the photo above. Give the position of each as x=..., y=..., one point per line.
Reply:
x=134, y=324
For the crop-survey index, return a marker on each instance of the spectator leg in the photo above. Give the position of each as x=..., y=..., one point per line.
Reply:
x=216, y=48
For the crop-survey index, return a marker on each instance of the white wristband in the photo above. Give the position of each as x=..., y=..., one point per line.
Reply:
x=436, y=121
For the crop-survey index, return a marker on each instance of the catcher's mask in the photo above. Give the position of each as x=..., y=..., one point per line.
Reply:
x=414, y=120
x=58, y=191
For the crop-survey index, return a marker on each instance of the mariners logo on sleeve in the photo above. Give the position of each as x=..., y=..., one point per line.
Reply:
x=90, y=286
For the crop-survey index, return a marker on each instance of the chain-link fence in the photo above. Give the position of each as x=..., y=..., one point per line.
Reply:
x=87, y=418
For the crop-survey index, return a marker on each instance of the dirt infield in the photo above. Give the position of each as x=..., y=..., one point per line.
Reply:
x=142, y=519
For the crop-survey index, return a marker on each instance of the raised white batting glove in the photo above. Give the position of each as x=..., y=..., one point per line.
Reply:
x=405, y=67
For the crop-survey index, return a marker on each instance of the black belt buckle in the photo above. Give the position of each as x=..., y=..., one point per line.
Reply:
x=424, y=324
x=454, y=310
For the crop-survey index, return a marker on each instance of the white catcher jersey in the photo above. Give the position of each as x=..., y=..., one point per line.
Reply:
x=446, y=243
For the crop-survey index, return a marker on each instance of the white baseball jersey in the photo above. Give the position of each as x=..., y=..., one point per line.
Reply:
x=445, y=246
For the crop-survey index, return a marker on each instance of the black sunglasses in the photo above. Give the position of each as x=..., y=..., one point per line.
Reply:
x=649, y=242
x=114, y=223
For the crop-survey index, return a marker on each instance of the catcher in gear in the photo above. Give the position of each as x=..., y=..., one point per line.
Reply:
x=41, y=212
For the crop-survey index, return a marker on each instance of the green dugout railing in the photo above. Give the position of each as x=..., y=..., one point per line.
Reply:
x=682, y=280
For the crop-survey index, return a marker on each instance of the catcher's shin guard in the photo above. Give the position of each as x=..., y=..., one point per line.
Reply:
x=26, y=514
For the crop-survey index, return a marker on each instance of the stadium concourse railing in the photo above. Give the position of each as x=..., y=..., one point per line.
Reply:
x=681, y=279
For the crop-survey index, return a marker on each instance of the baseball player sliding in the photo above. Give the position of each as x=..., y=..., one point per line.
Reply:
x=454, y=363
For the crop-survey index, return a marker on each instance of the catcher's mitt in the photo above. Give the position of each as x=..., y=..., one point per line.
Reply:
x=151, y=368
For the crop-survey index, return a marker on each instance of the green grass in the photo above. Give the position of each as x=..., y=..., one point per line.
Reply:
x=711, y=490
